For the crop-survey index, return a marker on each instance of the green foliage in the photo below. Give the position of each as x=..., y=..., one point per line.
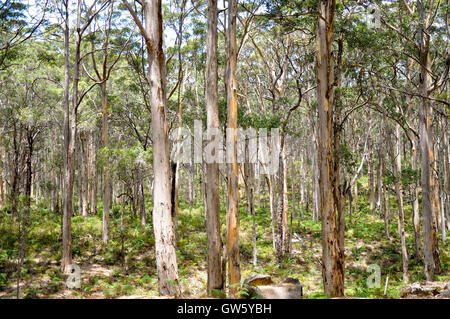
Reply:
x=268, y=121
x=346, y=157
x=408, y=177
x=124, y=162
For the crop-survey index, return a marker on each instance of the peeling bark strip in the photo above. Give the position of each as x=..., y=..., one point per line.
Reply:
x=234, y=272
x=214, y=241
x=332, y=256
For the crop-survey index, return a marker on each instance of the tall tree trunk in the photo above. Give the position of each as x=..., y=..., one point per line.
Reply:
x=371, y=181
x=173, y=199
x=28, y=176
x=258, y=185
x=176, y=201
x=234, y=272
x=432, y=264
x=293, y=197
x=214, y=240
x=191, y=185
x=385, y=213
x=415, y=203
x=436, y=190
x=446, y=165
x=84, y=172
x=165, y=241
x=67, y=181
x=249, y=189
x=315, y=182
x=141, y=197
x=284, y=192
x=15, y=177
x=272, y=207
x=92, y=175
x=106, y=179
x=5, y=185
x=70, y=129
x=24, y=219
x=396, y=168
x=340, y=191
x=78, y=176
x=2, y=189
x=332, y=257
x=380, y=168
x=414, y=166
x=282, y=229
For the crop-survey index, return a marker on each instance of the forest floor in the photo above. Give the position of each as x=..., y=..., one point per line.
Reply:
x=103, y=276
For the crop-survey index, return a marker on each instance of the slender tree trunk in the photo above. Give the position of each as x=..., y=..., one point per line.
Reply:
x=432, y=264
x=92, y=175
x=436, y=190
x=302, y=196
x=293, y=193
x=5, y=185
x=15, y=177
x=249, y=189
x=165, y=241
x=176, y=201
x=371, y=179
x=67, y=177
x=282, y=229
x=340, y=191
x=279, y=215
x=78, y=176
x=142, y=216
x=70, y=132
x=173, y=199
x=414, y=166
x=350, y=205
x=272, y=207
x=234, y=272
x=396, y=167
x=284, y=192
x=315, y=184
x=415, y=203
x=385, y=214
x=446, y=165
x=2, y=190
x=258, y=185
x=214, y=240
x=28, y=177
x=380, y=173
x=191, y=185
x=84, y=171
x=24, y=218
x=443, y=226
x=106, y=179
